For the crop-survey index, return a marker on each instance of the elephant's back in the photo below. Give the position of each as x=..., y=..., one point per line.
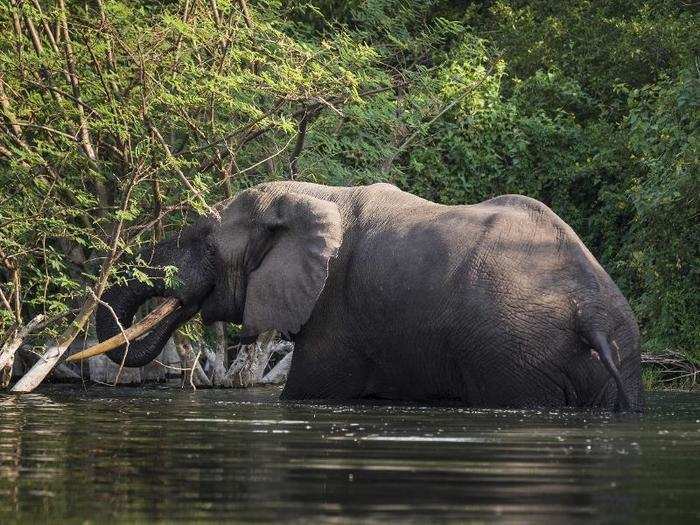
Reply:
x=528, y=250
x=535, y=243
x=511, y=259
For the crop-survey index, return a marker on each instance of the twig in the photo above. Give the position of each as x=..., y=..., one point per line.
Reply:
x=11, y=264
x=17, y=26
x=253, y=166
x=171, y=367
x=45, y=25
x=4, y=300
x=329, y=105
x=7, y=110
x=299, y=146
x=65, y=94
x=215, y=12
x=673, y=365
x=246, y=14
x=196, y=361
x=240, y=129
x=47, y=129
x=70, y=64
x=183, y=178
x=121, y=329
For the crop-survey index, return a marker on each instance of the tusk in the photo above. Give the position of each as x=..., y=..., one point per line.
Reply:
x=147, y=323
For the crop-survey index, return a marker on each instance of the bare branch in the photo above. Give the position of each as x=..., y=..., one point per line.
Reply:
x=4, y=300
x=7, y=352
x=127, y=342
x=246, y=13
x=299, y=146
x=278, y=152
x=45, y=25
x=72, y=76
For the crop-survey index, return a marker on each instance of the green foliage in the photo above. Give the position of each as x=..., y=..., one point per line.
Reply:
x=592, y=108
x=606, y=98
x=664, y=248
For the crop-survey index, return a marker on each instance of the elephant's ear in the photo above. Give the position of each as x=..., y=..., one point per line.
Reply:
x=287, y=259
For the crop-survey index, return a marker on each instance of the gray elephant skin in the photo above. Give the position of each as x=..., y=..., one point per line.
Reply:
x=387, y=295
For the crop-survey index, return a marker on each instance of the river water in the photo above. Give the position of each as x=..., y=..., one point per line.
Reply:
x=161, y=453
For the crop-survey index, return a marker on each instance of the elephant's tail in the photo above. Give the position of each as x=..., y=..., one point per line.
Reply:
x=601, y=345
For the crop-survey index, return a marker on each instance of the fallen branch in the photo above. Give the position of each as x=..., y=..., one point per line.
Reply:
x=249, y=366
x=152, y=319
x=60, y=372
x=673, y=367
x=7, y=354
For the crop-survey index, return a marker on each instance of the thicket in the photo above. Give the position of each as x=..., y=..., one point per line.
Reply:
x=122, y=120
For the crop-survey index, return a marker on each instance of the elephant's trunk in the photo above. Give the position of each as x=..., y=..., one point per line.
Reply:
x=124, y=301
x=189, y=254
x=132, y=333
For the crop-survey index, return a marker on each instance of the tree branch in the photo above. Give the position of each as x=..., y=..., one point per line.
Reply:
x=299, y=145
x=183, y=178
x=53, y=354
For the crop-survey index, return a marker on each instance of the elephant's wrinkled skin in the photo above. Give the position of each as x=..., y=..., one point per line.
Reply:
x=497, y=304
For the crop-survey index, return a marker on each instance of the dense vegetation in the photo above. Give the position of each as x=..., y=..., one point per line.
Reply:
x=121, y=120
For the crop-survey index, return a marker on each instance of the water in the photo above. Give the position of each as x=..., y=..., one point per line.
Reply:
x=103, y=454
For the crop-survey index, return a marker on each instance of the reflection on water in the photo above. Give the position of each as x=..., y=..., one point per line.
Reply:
x=162, y=454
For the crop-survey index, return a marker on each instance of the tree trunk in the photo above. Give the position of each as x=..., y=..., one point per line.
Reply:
x=219, y=363
x=249, y=366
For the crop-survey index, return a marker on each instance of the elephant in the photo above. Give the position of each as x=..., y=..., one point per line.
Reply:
x=390, y=296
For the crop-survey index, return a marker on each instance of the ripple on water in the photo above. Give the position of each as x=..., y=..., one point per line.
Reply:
x=161, y=453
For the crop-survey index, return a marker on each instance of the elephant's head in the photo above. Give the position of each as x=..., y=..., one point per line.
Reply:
x=264, y=264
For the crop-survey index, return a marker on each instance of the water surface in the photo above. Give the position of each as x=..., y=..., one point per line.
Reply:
x=101, y=454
